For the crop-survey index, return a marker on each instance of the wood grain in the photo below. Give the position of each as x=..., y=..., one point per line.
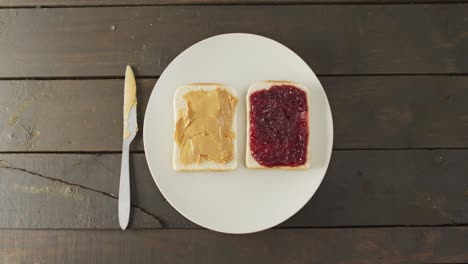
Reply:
x=398, y=111
x=371, y=245
x=333, y=39
x=78, y=191
x=58, y=3
x=361, y=188
x=66, y=115
x=368, y=112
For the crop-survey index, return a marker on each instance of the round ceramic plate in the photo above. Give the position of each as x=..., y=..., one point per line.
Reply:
x=243, y=200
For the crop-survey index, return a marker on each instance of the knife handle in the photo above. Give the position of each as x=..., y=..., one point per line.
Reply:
x=124, y=188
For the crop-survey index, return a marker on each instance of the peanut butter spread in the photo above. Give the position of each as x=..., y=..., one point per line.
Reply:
x=130, y=99
x=203, y=130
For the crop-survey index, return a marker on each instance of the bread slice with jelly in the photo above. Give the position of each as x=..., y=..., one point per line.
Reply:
x=277, y=126
x=205, y=124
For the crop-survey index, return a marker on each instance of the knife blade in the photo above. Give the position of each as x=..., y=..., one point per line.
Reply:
x=130, y=129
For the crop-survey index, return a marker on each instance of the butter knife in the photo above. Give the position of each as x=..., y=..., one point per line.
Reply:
x=130, y=128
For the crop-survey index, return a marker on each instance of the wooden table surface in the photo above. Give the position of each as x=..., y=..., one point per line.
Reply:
x=395, y=73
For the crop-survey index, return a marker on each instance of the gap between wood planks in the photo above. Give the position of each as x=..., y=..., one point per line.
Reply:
x=143, y=152
x=146, y=77
x=38, y=4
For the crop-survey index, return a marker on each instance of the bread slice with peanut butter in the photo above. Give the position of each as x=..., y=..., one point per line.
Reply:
x=205, y=124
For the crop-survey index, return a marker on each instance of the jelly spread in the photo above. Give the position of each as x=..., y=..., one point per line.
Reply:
x=203, y=130
x=279, y=131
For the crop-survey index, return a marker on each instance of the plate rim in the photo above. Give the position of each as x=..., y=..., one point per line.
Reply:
x=329, y=147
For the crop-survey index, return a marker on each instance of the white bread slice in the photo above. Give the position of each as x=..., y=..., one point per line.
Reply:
x=250, y=161
x=180, y=104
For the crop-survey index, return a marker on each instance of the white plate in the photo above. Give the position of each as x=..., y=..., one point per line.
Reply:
x=243, y=200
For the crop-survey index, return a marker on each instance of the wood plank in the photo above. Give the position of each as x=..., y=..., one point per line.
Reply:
x=77, y=191
x=399, y=112
x=361, y=188
x=333, y=39
x=79, y=115
x=370, y=245
x=58, y=3
x=41, y=198
x=368, y=112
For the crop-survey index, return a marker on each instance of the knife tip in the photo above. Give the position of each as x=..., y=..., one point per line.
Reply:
x=123, y=226
x=128, y=69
